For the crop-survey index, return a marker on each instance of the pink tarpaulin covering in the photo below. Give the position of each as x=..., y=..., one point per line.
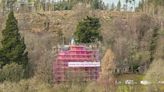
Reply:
x=75, y=59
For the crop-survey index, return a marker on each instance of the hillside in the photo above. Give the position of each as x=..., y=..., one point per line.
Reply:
x=128, y=34
x=133, y=38
x=66, y=21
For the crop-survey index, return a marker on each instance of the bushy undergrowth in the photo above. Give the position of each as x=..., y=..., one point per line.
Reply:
x=155, y=74
x=11, y=72
x=30, y=85
x=34, y=85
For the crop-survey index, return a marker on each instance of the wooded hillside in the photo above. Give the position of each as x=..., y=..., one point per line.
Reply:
x=132, y=43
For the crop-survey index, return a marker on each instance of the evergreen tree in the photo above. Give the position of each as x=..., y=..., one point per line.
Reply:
x=2, y=59
x=10, y=4
x=13, y=46
x=88, y=30
x=97, y=4
x=112, y=7
x=119, y=6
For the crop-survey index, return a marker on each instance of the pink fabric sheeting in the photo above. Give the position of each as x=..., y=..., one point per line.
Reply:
x=75, y=53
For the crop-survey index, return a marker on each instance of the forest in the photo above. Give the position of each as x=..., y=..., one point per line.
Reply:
x=129, y=36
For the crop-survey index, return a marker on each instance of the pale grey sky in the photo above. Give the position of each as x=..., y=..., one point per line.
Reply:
x=116, y=1
x=110, y=1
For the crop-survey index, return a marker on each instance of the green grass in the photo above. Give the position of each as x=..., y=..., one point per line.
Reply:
x=135, y=77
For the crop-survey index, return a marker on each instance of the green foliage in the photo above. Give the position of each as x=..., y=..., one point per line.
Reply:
x=11, y=72
x=119, y=6
x=141, y=56
x=153, y=43
x=154, y=75
x=98, y=4
x=135, y=67
x=13, y=46
x=88, y=30
x=10, y=3
x=144, y=25
x=123, y=88
x=63, y=5
x=156, y=2
x=35, y=85
x=2, y=59
x=67, y=5
x=31, y=0
x=31, y=85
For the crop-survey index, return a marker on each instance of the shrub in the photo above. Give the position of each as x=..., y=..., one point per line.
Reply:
x=11, y=72
x=154, y=75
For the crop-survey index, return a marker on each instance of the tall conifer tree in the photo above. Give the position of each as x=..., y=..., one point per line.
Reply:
x=13, y=46
x=88, y=30
x=119, y=5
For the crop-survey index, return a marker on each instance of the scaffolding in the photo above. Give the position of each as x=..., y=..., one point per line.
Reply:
x=76, y=62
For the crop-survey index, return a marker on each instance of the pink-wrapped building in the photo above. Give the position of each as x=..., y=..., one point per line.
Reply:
x=76, y=62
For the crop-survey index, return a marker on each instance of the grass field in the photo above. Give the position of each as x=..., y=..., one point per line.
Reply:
x=136, y=87
x=135, y=77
